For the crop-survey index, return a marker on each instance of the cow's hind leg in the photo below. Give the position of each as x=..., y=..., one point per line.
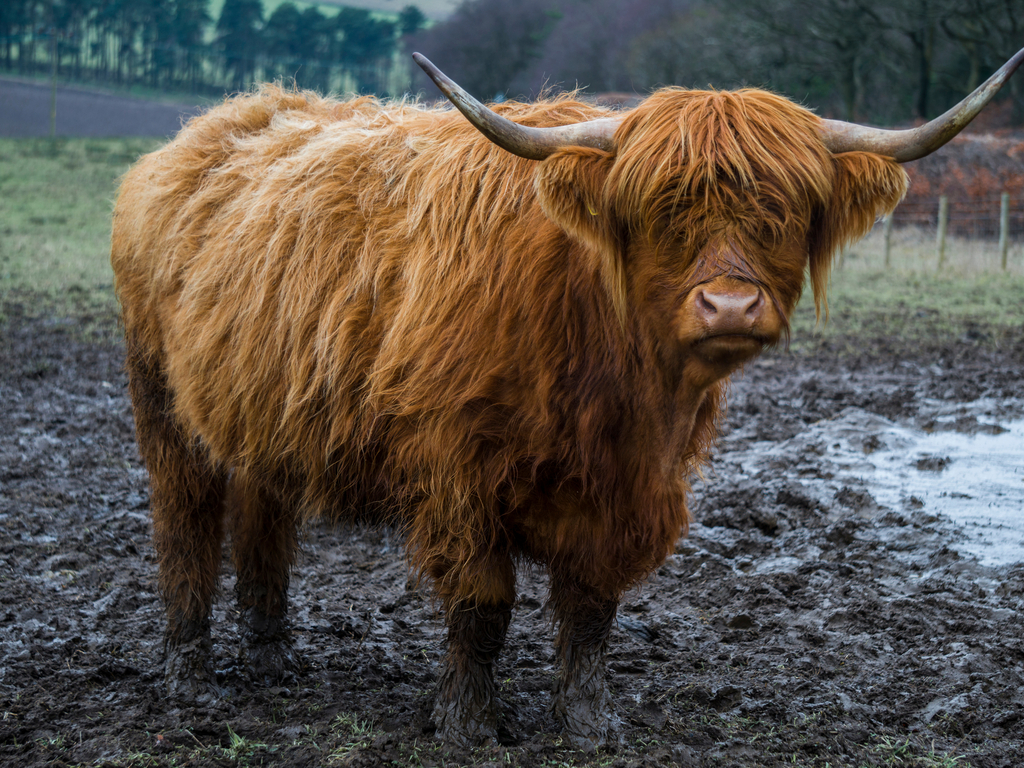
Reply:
x=263, y=537
x=187, y=506
x=582, y=700
x=466, y=706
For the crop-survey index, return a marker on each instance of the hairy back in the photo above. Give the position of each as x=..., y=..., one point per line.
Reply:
x=317, y=278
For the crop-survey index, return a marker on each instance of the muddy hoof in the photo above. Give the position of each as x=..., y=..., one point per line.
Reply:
x=591, y=739
x=457, y=728
x=270, y=663
x=266, y=654
x=189, y=675
x=588, y=725
x=589, y=736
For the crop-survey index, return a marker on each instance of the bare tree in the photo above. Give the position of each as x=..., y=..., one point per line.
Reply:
x=592, y=43
x=486, y=44
x=988, y=32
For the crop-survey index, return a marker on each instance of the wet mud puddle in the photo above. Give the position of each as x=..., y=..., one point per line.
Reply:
x=964, y=466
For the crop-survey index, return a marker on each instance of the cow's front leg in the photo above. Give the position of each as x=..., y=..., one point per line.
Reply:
x=582, y=700
x=466, y=708
x=477, y=599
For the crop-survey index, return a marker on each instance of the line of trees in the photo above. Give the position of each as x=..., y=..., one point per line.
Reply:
x=177, y=45
x=881, y=61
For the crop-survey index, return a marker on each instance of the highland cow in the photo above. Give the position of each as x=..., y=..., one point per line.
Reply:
x=508, y=339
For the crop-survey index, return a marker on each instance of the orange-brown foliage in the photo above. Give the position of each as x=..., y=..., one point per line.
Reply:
x=973, y=170
x=370, y=309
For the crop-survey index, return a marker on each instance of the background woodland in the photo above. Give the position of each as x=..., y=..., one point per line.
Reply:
x=883, y=61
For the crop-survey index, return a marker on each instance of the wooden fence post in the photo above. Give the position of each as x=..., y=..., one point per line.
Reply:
x=1004, y=227
x=887, y=238
x=940, y=237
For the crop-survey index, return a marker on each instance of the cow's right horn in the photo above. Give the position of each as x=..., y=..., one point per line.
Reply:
x=525, y=141
x=915, y=143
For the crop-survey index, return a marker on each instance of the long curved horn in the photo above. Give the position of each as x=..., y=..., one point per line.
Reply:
x=525, y=141
x=915, y=143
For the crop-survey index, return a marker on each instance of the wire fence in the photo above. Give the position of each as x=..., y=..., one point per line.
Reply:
x=944, y=234
x=972, y=217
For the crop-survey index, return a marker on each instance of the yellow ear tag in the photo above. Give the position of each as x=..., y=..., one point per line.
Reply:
x=592, y=211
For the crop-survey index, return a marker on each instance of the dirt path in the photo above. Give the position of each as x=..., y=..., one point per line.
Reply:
x=790, y=627
x=25, y=111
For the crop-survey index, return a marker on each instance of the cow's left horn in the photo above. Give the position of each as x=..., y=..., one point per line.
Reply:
x=913, y=144
x=525, y=141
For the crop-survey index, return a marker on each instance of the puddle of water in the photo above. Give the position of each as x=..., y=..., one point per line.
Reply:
x=974, y=480
x=977, y=481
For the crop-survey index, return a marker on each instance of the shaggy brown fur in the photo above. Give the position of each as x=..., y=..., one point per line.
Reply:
x=351, y=308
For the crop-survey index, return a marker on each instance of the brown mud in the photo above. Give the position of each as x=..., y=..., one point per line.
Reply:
x=788, y=628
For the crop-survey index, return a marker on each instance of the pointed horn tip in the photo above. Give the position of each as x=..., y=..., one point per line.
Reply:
x=446, y=85
x=1003, y=74
x=424, y=63
x=427, y=66
x=1015, y=62
x=915, y=143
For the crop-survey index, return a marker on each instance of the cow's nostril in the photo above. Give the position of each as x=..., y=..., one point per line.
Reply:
x=755, y=306
x=706, y=304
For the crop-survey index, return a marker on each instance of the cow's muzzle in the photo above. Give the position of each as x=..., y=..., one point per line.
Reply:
x=726, y=321
x=729, y=310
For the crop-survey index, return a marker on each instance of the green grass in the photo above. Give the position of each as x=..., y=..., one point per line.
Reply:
x=912, y=304
x=912, y=310
x=56, y=199
x=894, y=752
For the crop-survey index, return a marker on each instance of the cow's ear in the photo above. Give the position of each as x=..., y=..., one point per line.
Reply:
x=866, y=186
x=571, y=190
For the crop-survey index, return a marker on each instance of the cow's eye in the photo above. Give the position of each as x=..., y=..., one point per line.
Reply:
x=770, y=234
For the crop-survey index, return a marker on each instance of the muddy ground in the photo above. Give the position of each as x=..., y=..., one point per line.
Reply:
x=789, y=628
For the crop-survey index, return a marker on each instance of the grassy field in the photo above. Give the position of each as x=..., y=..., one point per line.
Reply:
x=56, y=199
x=913, y=305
